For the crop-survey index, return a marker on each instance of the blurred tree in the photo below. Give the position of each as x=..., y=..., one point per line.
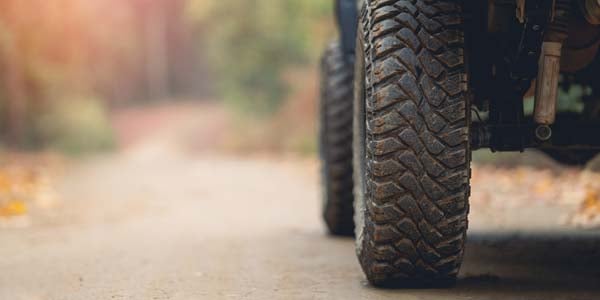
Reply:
x=106, y=51
x=252, y=43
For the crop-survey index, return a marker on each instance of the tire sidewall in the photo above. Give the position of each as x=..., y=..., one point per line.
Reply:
x=359, y=140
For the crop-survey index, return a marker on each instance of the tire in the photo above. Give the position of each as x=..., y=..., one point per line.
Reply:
x=411, y=149
x=336, y=141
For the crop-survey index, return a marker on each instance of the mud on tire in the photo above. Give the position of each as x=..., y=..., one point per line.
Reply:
x=336, y=141
x=412, y=152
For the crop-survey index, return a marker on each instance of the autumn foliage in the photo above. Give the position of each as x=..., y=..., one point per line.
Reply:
x=100, y=52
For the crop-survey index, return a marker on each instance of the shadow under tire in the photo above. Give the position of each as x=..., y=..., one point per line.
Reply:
x=411, y=146
x=336, y=141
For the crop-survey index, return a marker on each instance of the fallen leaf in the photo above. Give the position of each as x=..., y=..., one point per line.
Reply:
x=13, y=208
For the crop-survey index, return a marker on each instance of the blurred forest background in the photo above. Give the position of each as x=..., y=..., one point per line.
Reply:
x=67, y=64
x=78, y=76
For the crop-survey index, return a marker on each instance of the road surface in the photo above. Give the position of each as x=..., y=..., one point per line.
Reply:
x=157, y=222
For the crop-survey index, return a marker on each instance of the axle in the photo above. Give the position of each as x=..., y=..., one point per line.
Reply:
x=566, y=134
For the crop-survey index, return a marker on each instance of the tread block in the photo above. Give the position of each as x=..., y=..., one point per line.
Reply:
x=409, y=60
x=429, y=24
x=452, y=205
x=405, y=265
x=407, y=249
x=454, y=112
x=428, y=253
x=385, y=146
x=431, y=65
x=451, y=58
x=385, y=233
x=410, y=183
x=426, y=8
x=388, y=95
x=407, y=7
x=411, y=162
x=408, y=20
x=410, y=38
x=455, y=181
x=409, y=228
x=386, y=123
x=408, y=204
x=387, y=26
x=385, y=190
x=384, y=12
x=433, y=145
x=430, y=42
x=385, y=213
x=455, y=158
x=384, y=252
x=410, y=112
x=435, y=123
x=432, y=166
x=432, y=188
x=387, y=68
x=431, y=212
x=387, y=45
x=408, y=83
x=434, y=95
x=410, y=138
x=451, y=246
x=456, y=137
x=385, y=168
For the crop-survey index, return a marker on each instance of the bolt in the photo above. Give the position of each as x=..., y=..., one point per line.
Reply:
x=543, y=133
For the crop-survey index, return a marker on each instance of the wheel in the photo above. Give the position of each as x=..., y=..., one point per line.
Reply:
x=336, y=141
x=411, y=146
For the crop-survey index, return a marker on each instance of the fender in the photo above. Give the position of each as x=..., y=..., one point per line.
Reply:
x=347, y=19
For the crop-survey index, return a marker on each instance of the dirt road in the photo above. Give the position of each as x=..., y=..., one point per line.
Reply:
x=157, y=222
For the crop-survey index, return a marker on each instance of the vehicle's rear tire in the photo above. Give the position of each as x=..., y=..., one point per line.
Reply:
x=411, y=144
x=336, y=141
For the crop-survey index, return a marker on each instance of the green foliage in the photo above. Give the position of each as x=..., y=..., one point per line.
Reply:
x=252, y=43
x=569, y=100
x=76, y=126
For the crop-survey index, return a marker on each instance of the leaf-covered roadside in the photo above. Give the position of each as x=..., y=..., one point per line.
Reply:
x=26, y=186
x=521, y=186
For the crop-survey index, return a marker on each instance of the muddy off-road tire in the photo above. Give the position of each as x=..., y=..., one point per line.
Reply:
x=411, y=144
x=336, y=141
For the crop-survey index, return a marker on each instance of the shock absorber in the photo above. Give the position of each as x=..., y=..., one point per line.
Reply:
x=546, y=95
